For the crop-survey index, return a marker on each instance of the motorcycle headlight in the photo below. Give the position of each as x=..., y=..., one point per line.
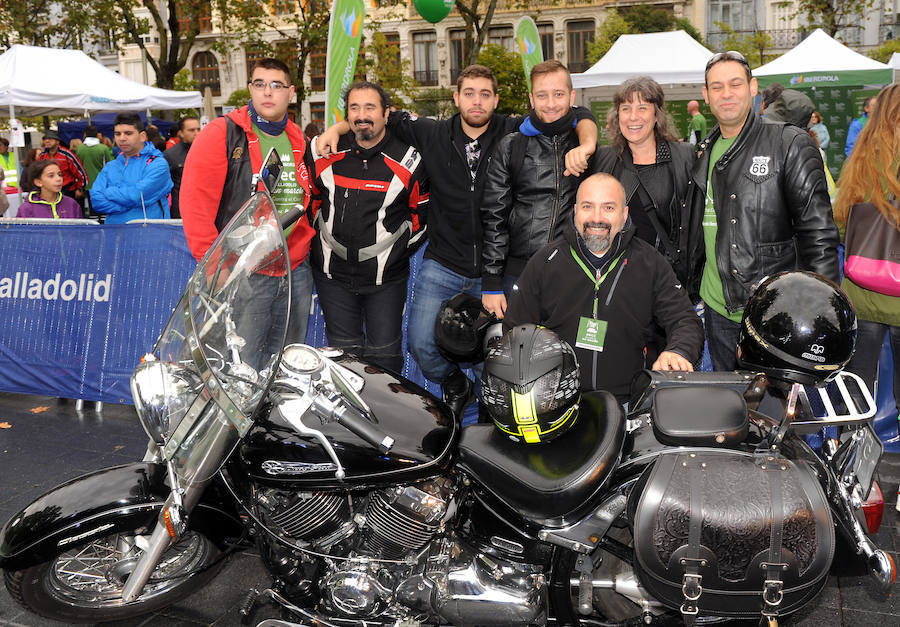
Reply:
x=163, y=393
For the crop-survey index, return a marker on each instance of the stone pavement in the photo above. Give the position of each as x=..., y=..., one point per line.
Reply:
x=48, y=442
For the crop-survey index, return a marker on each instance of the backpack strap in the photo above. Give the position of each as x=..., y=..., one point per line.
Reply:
x=517, y=156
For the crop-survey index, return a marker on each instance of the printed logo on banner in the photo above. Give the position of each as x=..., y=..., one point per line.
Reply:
x=84, y=288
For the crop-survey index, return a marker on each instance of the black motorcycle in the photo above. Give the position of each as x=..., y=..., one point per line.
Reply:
x=371, y=506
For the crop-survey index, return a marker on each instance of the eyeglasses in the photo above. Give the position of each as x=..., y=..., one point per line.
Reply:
x=275, y=86
x=730, y=55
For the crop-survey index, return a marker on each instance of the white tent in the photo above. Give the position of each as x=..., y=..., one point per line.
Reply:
x=669, y=58
x=895, y=61
x=46, y=81
x=820, y=60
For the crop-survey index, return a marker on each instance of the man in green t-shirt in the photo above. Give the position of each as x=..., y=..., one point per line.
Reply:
x=767, y=207
x=94, y=155
x=697, y=129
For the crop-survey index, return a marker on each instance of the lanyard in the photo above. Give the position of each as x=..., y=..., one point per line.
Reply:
x=597, y=281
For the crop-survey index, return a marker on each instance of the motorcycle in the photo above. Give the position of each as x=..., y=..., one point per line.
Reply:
x=371, y=506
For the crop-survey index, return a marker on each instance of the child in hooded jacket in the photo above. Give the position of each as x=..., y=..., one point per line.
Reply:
x=47, y=201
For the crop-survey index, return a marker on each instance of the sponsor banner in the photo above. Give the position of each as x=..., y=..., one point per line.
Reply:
x=529, y=43
x=833, y=78
x=344, y=35
x=79, y=305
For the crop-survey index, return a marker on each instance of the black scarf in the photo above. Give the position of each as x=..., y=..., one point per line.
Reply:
x=269, y=128
x=549, y=129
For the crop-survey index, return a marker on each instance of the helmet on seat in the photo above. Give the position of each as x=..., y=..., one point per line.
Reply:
x=530, y=384
x=460, y=328
x=798, y=327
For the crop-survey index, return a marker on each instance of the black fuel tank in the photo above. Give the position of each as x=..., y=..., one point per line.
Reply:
x=423, y=428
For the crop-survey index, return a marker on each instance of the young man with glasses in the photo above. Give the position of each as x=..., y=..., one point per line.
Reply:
x=767, y=207
x=220, y=166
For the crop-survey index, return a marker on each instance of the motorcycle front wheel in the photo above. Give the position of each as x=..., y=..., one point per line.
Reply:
x=84, y=584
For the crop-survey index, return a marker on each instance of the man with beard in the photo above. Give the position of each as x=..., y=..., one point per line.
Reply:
x=368, y=211
x=602, y=290
x=456, y=153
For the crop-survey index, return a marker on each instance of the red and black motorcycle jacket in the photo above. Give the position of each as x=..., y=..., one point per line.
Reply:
x=368, y=209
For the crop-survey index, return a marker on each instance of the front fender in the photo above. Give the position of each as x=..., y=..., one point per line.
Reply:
x=122, y=498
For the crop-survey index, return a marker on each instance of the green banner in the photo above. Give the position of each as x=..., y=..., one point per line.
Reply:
x=529, y=42
x=842, y=78
x=344, y=34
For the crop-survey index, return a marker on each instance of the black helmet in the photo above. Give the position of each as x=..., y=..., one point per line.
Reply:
x=460, y=327
x=530, y=384
x=798, y=327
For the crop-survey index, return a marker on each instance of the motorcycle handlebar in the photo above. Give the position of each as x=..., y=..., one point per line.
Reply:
x=355, y=422
x=291, y=216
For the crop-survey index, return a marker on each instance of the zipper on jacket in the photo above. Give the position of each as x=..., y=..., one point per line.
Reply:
x=556, y=195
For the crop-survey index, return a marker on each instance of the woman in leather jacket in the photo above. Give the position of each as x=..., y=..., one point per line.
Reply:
x=655, y=170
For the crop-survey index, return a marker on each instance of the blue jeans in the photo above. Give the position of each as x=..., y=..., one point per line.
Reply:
x=869, y=343
x=722, y=337
x=367, y=321
x=434, y=285
x=259, y=314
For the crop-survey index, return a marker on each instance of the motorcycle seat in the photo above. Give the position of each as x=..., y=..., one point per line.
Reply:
x=551, y=484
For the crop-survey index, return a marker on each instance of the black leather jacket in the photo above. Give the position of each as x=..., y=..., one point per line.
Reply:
x=675, y=214
x=518, y=217
x=772, y=208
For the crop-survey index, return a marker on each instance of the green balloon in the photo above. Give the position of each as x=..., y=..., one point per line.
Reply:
x=434, y=10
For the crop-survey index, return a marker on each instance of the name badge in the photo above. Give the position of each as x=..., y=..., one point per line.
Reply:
x=591, y=334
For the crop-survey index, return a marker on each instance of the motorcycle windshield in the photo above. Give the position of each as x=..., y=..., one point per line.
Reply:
x=226, y=337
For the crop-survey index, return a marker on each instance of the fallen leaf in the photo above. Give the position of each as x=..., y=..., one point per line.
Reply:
x=5, y=425
x=40, y=410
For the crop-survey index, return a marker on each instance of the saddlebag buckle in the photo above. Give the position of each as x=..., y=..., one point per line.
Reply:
x=773, y=594
x=691, y=588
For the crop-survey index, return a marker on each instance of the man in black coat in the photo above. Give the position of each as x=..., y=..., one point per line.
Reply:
x=602, y=290
x=176, y=155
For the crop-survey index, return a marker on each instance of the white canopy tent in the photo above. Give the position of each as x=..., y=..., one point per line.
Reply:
x=820, y=60
x=671, y=58
x=46, y=81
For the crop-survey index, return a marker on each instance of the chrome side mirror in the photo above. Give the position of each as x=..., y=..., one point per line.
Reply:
x=270, y=172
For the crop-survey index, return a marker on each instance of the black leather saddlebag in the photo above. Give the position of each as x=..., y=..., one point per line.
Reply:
x=731, y=534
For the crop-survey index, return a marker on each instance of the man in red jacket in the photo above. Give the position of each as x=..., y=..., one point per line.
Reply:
x=218, y=172
x=74, y=177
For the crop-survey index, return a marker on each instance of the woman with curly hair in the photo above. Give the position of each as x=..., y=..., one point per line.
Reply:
x=655, y=170
x=870, y=175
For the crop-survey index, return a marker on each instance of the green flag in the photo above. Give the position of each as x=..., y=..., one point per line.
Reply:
x=344, y=34
x=529, y=42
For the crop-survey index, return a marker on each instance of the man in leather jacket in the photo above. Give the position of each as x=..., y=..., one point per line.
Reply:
x=767, y=207
x=527, y=196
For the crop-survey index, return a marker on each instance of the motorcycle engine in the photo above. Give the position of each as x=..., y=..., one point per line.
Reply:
x=372, y=537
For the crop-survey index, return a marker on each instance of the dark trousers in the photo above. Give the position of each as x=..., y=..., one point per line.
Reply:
x=367, y=320
x=722, y=337
x=869, y=343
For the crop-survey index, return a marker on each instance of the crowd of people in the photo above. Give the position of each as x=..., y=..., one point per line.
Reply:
x=612, y=248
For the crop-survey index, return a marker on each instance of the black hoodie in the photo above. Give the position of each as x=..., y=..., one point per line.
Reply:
x=641, y=290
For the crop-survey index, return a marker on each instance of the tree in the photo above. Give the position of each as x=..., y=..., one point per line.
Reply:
x=682, y=23
x=644, y=18
x=301, y=31
x=885, y=51
x=185, y=82
x=507, y=68
x=383, y=65
x=613, y=26
x=833, y=15
x=43, y=23
x=477, y=14
x=747, y=45
x=436, y=102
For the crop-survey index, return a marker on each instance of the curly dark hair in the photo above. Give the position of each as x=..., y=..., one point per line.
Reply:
x=649, y=91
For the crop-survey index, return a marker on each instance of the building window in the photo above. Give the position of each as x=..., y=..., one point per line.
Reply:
x=425, y=62
x=317, y=114
x=457, y=41
x=317, y=71
x=546, y=33
x=200, y=17
x=578, y=34
x=393, y=42
x=252, y=56
x=283, y=7
x=739, y=15
x=502, y=36
x=205, y=69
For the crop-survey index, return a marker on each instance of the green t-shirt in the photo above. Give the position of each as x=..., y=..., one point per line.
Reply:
x=711, y=284
x=698, y=123
x=93, y=158
x=289, y=192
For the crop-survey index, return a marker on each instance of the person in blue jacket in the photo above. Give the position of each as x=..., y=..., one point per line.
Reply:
x=136, y=184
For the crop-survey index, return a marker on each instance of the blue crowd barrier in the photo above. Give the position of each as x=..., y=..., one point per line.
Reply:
x=80, y=303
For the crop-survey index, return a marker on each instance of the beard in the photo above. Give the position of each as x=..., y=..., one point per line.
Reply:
x=473, y=122
x=597, y=244
x=366, y=134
